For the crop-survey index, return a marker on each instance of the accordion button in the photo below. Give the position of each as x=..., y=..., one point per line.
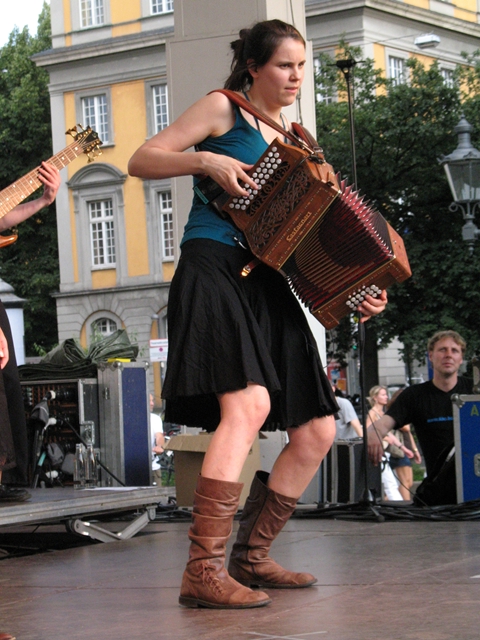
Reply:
x=274, y=149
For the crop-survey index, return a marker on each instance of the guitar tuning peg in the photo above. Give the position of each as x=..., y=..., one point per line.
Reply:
x=72, y=132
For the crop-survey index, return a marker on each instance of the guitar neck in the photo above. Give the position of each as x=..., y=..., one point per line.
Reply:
x=25, y=186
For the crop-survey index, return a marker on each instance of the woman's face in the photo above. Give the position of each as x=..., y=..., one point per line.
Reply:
x=382, y=396
x=281, y=77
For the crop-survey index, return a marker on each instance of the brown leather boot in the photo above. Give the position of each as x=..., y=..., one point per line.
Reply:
x=206, y=582
x=263, y=517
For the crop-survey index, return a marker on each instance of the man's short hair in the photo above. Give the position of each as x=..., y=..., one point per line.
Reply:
x=440, y=335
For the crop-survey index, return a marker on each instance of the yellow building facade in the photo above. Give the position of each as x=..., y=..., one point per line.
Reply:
x=109, y=69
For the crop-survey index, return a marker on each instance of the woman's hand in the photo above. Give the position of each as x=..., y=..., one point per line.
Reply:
x=229, y=173
x=49, y=176
x=372, y=306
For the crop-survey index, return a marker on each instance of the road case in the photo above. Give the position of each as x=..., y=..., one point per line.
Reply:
x=466, y=428
x=125, y=446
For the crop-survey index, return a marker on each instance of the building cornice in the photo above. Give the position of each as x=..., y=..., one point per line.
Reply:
x=106, y=47
x=119, y=289
x=393, y=7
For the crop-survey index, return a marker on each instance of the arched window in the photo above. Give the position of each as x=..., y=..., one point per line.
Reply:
x=100, y=325
x=103, y=327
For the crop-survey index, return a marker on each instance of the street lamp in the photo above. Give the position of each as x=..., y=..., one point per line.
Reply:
x=462, y=167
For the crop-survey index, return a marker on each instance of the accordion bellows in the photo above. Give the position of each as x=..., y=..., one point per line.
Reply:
x=328, y=241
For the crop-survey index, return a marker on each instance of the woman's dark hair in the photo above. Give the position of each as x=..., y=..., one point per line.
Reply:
x=257, y=45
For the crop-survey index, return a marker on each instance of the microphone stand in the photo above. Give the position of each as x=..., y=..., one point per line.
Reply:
x=346, y=67
x=366, y=505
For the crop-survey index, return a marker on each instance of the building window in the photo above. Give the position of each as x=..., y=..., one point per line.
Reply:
x=160, y=106
x=448, y=77
x=162, y=6
x=91, y=13
x=95, y=115
x=166, y=215
x=103, y=327
x=102, y=233
x=397, y=69
x=322, y=94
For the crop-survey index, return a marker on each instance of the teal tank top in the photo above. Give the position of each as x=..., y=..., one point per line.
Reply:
x=243, y=142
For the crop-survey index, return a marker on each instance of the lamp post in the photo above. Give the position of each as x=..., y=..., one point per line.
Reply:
x=462, y=167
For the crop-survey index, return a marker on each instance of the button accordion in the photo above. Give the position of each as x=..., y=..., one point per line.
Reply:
x=333, y=247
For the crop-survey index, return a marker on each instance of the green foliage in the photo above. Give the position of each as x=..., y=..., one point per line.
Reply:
x=30, y=265
x=400, y=133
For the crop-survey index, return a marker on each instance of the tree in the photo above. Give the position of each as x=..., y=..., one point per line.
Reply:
x=31, y=264
x=401, y=131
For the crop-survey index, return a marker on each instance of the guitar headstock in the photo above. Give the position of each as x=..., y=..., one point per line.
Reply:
x=87, y=139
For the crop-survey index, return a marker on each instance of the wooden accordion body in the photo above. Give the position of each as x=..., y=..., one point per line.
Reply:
x=330, y=244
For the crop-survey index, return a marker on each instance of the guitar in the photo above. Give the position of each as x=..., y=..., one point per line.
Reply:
x=84, y=141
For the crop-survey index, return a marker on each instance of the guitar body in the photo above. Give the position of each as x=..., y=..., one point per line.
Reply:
x=85, y=141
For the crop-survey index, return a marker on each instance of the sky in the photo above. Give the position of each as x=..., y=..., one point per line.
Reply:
x=19, y=13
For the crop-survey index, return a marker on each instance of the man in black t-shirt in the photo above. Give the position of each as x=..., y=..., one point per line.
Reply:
x=427, y=406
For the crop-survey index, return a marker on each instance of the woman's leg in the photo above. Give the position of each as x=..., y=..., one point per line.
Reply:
x=206, y=582
x=243, y=413
x=405, y=478
x=299, y=460
x=272, y=501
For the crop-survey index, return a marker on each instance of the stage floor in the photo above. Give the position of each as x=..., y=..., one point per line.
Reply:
x=393, y=580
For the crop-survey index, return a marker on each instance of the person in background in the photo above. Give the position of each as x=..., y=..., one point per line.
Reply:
x=402, y=467
x=158, y=442
x=427, y=406
x=13, y=430
x=378, y=399
x=241, y=353
x=347, y=424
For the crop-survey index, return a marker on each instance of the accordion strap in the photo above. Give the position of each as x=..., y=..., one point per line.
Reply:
x=301, y=137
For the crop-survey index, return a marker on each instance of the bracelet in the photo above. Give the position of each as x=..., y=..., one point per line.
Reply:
x=415, y=450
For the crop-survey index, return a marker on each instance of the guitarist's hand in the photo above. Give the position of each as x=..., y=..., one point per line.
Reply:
x=50, y=177
x=3, y=350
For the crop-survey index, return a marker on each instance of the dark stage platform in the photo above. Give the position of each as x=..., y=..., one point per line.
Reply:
x=392, y=580
x=75, y=507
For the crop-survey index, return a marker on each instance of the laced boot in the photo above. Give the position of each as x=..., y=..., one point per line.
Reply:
x=206, y=582
x=263, y=517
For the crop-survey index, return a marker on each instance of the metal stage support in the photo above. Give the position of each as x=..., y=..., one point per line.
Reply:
x=76, y=509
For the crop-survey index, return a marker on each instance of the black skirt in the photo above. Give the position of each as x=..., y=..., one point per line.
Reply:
x=226, y=330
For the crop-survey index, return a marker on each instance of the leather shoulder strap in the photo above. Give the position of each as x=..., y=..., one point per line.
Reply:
x=305, y=135
x=301, y=141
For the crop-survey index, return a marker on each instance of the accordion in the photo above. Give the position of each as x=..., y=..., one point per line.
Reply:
x=330, y=244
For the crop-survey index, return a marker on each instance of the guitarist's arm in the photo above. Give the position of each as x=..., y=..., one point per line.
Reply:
x=50, y=177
